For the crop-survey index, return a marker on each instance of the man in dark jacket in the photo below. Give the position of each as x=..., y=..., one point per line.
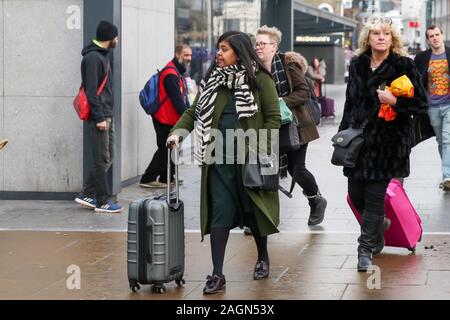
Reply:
x=433, y=65
x=172, y=90
x=96, y=72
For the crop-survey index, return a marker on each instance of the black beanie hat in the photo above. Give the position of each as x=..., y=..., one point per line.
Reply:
x=106, y=31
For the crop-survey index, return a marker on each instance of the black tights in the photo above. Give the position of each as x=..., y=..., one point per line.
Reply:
x=301, y=175
x=219, y=239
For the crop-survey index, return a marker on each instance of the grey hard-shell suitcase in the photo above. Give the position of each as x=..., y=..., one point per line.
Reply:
x=156, y=240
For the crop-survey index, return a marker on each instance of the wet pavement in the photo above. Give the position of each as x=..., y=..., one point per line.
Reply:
x=40, y=265
x=39, y=240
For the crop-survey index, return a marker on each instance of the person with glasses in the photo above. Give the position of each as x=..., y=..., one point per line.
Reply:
x=387, y=144
x=237, y=93
x=292, y=87
x=433, y=65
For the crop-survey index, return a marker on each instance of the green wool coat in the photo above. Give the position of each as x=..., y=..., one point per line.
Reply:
x=267, y=117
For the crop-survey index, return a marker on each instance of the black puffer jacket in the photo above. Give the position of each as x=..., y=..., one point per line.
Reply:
x=387, y=146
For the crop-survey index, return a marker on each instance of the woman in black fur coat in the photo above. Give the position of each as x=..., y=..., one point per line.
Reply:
x=387, y=144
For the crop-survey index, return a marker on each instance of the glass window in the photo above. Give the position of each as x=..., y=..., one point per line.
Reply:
x=243, y=15
x=199, y=23
x=192, y=29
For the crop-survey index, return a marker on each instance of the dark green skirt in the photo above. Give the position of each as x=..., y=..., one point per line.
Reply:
x=229, y=204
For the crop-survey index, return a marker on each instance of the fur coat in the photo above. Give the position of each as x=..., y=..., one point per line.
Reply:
x=298, y=96
x=387, y=145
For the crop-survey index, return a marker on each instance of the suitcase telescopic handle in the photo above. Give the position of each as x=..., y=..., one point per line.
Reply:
x=177, y=190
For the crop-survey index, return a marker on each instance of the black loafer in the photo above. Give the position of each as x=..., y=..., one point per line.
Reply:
x=262, y=269
x=214, y=284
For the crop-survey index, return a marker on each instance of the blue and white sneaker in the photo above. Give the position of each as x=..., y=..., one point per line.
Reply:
x=108, y=208
x=87, y=202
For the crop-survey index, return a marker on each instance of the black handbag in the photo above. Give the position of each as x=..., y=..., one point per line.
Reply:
x=314, y=109
x=289, y=138
x=347, y=144
x=313, y=104
x=422, y=129
x=262, y=174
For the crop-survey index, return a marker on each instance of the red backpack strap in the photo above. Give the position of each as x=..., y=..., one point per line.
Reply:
x=102, y=86
x=164, y=74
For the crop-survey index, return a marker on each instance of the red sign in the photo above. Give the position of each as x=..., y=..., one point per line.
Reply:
x=414, y=24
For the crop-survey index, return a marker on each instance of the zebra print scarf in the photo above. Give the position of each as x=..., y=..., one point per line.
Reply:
x=232, y=77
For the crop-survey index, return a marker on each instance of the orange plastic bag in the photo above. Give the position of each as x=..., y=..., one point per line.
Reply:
x=400, y=87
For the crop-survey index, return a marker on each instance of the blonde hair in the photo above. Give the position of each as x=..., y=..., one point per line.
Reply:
x=273, y=32
x=381, y=24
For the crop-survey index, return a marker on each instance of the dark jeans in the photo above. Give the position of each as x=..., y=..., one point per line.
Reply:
x=158, y=165
x=96, y=185
x=301, y=175
x=368, y=198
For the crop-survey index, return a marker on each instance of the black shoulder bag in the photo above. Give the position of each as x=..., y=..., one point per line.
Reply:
x=347, y=145
x=263, y=174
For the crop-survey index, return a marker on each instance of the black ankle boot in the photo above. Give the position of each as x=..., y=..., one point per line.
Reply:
x=318, y=204
x=380, y=241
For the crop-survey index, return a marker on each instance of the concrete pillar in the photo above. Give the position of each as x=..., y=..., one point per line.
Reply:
x=40, y=74
x=280, y=13
x=146, y=47
x=94, y=12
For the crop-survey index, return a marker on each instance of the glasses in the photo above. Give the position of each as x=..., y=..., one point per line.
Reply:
x=383, y=20
x=262, y=44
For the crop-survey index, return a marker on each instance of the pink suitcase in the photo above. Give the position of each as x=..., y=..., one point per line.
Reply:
x=406, y=225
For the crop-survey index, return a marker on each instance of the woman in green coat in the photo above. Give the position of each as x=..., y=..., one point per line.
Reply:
x=237, y=93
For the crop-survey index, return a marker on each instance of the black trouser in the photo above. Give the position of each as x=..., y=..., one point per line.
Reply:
x=368, y=198
x=301, y=175
x=158, y=165
x=96, y=185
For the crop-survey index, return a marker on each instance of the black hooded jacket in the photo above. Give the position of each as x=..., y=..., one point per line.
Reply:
x=93, y=71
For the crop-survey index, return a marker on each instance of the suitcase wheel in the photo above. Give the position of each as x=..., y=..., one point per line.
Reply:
x=134, y=287
x=158, y=289
x=180, y=282
x=413, y=250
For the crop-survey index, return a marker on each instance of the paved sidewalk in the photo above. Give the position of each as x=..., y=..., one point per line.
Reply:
x=33, y=265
